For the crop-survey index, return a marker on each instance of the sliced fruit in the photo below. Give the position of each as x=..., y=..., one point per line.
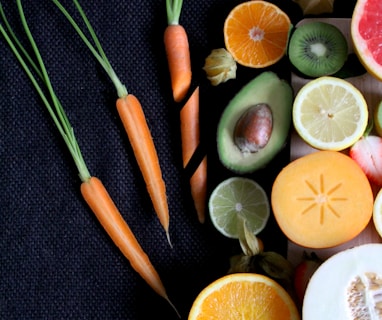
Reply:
x=322, y=199
x=348, y=285
x=378, y=119
x=367, y=152
x=236, y=201
x=366, y=35
x=377, y=212
x=243, y=296
x=317, y=49
x=256, y=33
x=330, y=113
x=259, y=91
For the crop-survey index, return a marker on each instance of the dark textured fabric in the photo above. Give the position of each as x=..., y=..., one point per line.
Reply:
x=56, y=260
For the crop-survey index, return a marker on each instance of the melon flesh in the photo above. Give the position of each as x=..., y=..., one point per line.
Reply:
x=347, y=286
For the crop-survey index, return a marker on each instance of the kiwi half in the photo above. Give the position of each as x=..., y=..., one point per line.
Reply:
x=317, y=49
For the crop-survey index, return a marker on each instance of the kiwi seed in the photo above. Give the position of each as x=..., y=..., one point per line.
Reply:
x=317, y=49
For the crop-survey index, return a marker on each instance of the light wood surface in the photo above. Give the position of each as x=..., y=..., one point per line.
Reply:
x=372, y=91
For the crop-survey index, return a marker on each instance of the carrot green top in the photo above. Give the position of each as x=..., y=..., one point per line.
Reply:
x=96, y=50
x=52, y=104
x=173, y=8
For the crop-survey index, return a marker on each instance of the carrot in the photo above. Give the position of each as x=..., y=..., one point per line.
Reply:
x=132, y=117
x=92, y=189
x=98, y=199
x=134, y=121
x=190, y=136
x=177, y=51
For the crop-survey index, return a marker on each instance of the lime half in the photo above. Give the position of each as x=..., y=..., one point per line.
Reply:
x=235, y=201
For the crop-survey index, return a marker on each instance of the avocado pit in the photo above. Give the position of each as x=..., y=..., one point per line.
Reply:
x=254, y=128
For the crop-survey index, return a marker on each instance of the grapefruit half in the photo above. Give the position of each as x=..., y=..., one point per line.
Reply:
x=367, y=36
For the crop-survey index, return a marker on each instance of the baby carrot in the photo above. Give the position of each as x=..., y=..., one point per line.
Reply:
x=190, y=136
x=133, y=119
x=98, y=199
x=92, y=189
x=134, y=122
x=177, y=51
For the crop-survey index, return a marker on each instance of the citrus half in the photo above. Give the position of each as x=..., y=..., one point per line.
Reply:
x=237, y=200
x=366, y=35
x=377, y=212
x=243, y=296
x=330, y=113
x=256, y=33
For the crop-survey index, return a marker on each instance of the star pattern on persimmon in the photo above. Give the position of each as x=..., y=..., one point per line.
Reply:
x=322, y=199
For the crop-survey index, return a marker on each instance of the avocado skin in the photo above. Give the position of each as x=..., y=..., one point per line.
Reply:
x=267, y=88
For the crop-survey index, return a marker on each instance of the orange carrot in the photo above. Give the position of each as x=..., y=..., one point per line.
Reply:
x=100, y=202
x=92, y=189
x=177, y=51
x=190, y=136
x=134, y=121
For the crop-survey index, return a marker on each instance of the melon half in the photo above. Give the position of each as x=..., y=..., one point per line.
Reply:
x=348, y=285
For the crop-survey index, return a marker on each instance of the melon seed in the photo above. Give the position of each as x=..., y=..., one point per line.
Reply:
x=254, y=128
x=365, y=296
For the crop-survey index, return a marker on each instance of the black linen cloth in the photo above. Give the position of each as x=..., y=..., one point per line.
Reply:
x=57, y=262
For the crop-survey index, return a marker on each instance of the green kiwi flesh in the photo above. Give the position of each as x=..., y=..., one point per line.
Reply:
x=317, y=49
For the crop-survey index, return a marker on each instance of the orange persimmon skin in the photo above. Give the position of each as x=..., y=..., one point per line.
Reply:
x=179, y=60
x=322, y=200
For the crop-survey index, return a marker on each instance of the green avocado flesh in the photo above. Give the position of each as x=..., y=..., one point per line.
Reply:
x=266, y=88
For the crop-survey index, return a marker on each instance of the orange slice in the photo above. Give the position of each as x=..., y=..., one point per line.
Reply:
x=243, y=296
x=256, y=33
x=366, y=35
x=322, y=199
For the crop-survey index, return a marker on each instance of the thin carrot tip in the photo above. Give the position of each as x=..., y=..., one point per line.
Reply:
x=168, y=239
x=173, y=306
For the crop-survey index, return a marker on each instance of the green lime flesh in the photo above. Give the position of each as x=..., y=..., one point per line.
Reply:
x=236, y=201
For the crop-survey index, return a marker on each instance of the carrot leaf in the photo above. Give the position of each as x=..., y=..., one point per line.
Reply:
x=95, y=49
x=53, y=104
x=173, y=8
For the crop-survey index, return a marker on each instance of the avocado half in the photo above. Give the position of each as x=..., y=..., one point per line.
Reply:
x=266, y=88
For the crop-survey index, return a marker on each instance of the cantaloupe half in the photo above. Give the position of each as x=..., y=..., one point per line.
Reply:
x=346, y=286
x=322, y=199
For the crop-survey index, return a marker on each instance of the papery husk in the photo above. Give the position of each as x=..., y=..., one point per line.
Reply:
x=315, y=7
x=220, y=66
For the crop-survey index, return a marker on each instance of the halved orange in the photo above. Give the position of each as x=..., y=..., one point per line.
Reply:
x=244, y=296
x=256, y=33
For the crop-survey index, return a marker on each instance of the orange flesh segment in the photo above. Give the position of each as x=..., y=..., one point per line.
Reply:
x=256, y=33
x=322, y=200
x=244, y=296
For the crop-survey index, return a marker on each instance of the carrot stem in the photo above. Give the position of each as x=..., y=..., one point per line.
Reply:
x=136, y=123
x=173, y=8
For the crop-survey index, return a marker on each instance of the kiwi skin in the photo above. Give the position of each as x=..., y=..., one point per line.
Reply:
x=330, y=49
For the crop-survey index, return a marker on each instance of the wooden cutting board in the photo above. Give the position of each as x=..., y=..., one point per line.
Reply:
x=372, y=91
